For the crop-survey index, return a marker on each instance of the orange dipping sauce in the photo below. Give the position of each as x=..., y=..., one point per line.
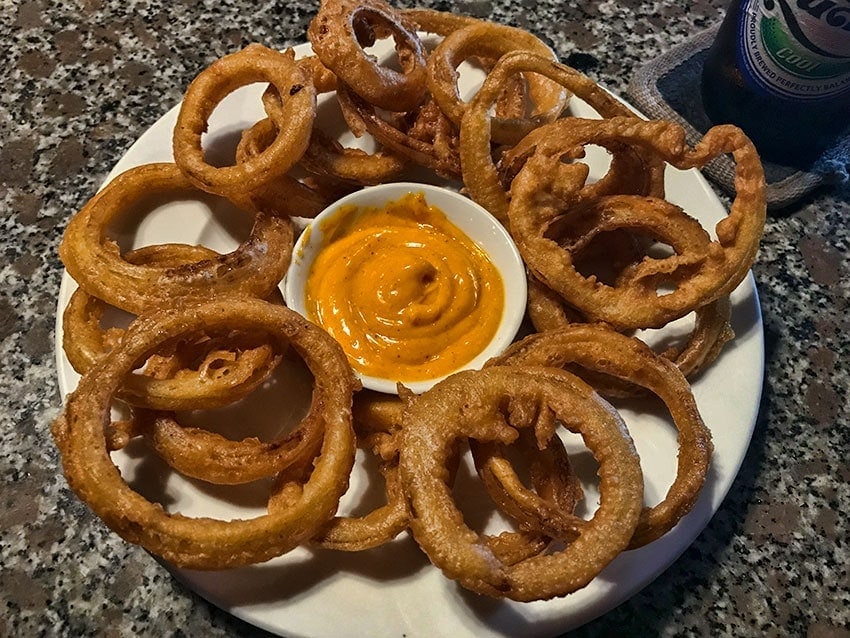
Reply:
x=405, y=292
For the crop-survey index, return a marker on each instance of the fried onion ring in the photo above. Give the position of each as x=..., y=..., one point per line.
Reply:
x=337, y=37
x=632, y=171
x=254, y=63
x=491, y=41
x=285, y=195
x=206, y=543
x=546, y=189
x=199, y=375
x=557, y=489
x=480, y=174
x=546, y=309
x=472, y=405
x=327, y=158
x=710, y=333
x=377, y=421
x=601, y=350
x=431, y=140
x=255, y=268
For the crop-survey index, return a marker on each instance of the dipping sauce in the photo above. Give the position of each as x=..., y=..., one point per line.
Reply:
x=404, y=291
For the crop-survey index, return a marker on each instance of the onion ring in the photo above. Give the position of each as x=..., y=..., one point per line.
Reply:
x=557, y=488
x=205, y=543
x=469, y=404
x=377, y=421
x=710, y=333
x=214, y=376
x=546, y=309
x=333, y=34
x=255, y=268
x=285, y=195
x=633, y=170
x=480, y=174
x=327, y=158
x=211, y=457
x=491, y=41
x=546, y=188
x=254, y=63
x=431, y=141
x=602, y=350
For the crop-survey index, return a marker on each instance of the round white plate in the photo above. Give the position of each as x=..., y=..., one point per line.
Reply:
x=393, y=590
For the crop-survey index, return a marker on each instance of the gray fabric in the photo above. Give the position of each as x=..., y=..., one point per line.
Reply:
x=669, y=88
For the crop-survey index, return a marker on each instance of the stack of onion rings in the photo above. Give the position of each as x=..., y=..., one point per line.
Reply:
x=700, y=270
x=606, y=258
x=203, y=374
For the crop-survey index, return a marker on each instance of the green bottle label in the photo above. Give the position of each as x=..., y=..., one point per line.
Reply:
x=797, y=50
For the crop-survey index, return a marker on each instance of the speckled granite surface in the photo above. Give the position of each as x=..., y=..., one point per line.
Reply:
x=82, y=79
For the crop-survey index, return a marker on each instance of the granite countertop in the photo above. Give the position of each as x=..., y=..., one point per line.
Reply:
x=83, y=79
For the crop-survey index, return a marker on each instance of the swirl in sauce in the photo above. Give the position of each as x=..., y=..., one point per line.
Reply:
x=405, y=292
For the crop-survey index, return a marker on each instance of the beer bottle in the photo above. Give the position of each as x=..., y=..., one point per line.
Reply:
x=780, y=70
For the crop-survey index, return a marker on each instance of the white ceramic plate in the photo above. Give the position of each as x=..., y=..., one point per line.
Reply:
x=393, y=590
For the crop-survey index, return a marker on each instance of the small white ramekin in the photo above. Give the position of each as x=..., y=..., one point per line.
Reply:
x=471, y=218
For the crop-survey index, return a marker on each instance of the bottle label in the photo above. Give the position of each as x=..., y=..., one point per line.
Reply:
x=796, y=49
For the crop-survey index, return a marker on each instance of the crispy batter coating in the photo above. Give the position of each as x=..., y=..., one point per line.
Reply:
x=478, y=405
x=601, y=350
x=254, y=269
x=254, y=63
x=204, y=543
x=338, y=34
